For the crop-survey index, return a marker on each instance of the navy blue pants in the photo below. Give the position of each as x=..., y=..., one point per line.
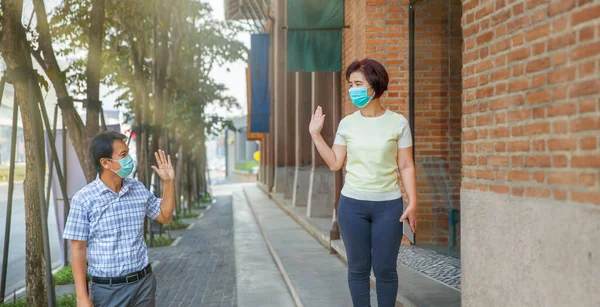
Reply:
x=372, y=233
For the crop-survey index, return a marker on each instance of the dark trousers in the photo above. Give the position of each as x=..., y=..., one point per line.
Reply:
x=141, y=293
x=372, y=233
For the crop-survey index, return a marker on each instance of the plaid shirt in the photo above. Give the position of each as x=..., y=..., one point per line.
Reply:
x=112, y=225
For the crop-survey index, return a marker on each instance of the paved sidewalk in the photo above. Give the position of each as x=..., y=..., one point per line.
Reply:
x=318, y=278
x=201, y=269
x=259, y=280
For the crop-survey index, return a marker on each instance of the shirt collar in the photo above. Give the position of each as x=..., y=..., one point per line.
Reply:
x=102, y=188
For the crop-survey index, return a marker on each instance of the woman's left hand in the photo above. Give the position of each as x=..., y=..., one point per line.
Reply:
x=411, y=214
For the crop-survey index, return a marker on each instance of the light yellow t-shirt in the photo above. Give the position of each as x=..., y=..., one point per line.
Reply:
x=372, y=147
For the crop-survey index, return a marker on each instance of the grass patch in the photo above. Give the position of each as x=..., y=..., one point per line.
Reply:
x=177, y=224
x=160, y=241
x=65, y=276
x=19, y=173
x=246, y=166
x=205, y=198
x=67, y=300
x=187, y=215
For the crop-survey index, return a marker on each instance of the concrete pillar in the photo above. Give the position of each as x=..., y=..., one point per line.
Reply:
x=279, y=85
x=290, y=135
x=303, y=141
x=326, y=93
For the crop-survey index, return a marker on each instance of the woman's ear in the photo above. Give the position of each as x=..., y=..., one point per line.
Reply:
x=371, y=92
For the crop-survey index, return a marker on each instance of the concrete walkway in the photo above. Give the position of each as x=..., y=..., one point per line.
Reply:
x=317, y=278
x=259, y=281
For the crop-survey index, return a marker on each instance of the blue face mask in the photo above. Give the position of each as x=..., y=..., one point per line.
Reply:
x=359, y=96
x=127, y=167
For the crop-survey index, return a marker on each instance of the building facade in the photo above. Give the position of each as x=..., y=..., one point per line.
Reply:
x=503, y=97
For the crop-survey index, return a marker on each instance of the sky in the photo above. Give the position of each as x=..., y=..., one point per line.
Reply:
x=234, y=80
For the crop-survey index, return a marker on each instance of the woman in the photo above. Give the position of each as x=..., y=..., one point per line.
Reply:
x=376, y=144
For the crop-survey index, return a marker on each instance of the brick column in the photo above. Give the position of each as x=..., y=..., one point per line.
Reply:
x=325, y=93
x=303, y=141
x=279, y=98
x=290, y=135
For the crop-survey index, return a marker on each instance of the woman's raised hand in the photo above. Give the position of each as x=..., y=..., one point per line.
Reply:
x=316, y=122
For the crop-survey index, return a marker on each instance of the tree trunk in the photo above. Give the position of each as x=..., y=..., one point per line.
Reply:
x=188, y=183
x=13, y=43
x=161, y=61
x=204, y=186
x=50, y=64
x=94, y=66
x=195, y=183
x=178, y=176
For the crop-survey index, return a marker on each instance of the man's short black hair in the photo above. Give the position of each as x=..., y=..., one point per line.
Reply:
x=374, y=72
x=101, y=146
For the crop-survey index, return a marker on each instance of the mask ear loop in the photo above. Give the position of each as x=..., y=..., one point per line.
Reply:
x=110, y=168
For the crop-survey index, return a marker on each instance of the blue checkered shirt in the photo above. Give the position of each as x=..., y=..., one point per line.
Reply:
x=112, y=225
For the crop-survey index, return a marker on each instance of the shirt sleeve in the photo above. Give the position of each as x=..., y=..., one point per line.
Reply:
x=340, y=139
x=78, y=222
x=405, y=138
x=152, y=205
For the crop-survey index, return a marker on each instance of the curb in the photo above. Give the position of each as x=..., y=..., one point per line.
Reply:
x=312, y=230
x=325, y=240
x=176, y=241
x=273, y=253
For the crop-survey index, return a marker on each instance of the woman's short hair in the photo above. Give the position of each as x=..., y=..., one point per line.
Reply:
x=374, y=72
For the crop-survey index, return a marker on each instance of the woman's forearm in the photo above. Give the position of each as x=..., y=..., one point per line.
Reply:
x=409, y=180
x=333, y=162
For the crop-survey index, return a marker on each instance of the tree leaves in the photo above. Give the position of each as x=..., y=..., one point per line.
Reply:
x=197, y=43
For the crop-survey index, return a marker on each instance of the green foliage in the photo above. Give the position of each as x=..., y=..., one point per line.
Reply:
x=67, y=300
x=205, y=198
x=177, y=225
x=197, y=43
x=65, y=276
x=160, y=241
x=187, y=215
x=246, y=166
x=19, y=173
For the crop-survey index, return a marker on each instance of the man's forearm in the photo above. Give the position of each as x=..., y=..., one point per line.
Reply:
x=167, y=206
x=79, y=267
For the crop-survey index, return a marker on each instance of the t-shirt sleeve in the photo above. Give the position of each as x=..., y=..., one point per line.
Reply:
x=340, y=139
x=78, y=222
x=152, y=204
x=405, y=137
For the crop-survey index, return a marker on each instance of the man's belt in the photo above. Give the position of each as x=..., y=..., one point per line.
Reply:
x=128, y=279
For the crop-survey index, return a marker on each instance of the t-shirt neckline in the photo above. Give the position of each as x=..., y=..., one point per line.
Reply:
x=376, y=117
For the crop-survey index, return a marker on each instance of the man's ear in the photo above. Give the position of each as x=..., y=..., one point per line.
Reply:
x=104, y=163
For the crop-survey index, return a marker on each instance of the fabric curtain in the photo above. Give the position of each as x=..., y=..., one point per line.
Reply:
x=259, y=83
x=314, y=38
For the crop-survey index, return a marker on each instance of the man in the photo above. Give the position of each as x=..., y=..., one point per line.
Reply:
x=106, y=227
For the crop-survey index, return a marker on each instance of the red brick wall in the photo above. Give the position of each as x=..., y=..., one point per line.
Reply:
x=353, y=45
x=437, y=114
x=531, y=113
x=381, y=27
x=379, y=30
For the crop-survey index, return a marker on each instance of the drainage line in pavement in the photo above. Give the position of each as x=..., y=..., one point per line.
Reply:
x=288, y=282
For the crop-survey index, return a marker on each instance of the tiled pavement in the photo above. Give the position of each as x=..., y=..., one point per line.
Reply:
x=201, y=269
x=441, y=267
